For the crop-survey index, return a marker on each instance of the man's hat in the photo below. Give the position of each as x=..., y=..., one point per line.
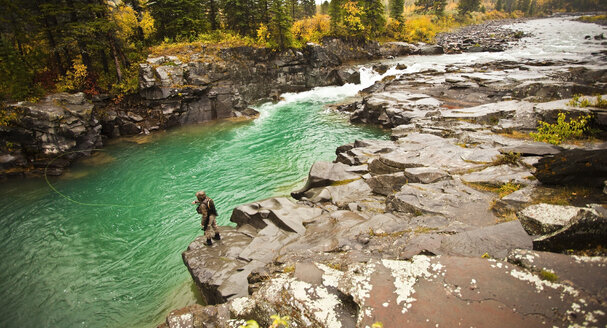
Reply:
x=201, y=195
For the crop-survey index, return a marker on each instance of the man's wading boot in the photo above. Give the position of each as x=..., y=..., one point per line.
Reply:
x=209, y=242
x=217, y=237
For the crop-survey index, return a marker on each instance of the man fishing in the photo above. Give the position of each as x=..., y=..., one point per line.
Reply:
x=206, y=207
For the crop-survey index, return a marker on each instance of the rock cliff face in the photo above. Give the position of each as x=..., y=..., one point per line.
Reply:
x=50, y=134
x=203, y=86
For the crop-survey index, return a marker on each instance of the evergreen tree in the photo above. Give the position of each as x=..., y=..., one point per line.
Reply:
x=466, y=6
x=336, y=13
x=396, y=8
x=280, y=25
x=499, y=5
x=436, y=7
x=179, y=19
x=324, y=8
x=309, y=8
x=373, y=17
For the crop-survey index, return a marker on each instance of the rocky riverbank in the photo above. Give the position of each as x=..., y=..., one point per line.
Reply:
x=460, y=219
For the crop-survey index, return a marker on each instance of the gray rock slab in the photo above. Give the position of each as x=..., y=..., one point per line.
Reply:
x=341, y=195
x=326, y=173
x=450, y=198
x=496, y=241
x=425, y=175
x=498, y=175
x=541, y=219
x=211, y=267
x=387, y=184
x=532, y=149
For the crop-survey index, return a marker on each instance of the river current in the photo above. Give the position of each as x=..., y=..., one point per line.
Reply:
x=101, y=245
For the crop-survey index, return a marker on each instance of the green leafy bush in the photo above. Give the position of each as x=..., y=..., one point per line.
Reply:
x=563, y=129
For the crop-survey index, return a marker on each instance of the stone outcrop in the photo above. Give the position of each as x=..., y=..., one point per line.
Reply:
x=586, y=167
x=49, y=134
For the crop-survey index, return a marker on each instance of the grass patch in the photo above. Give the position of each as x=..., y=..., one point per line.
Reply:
x=288, y=269
x=501, y=190
x=548, y=276
x=509, y=158
x=343, y=182
x=385, y=234
x=508, y=188
x=593, y=19
x=506, y=217
x=570, y=195
x=578, y=101
x=517, y=135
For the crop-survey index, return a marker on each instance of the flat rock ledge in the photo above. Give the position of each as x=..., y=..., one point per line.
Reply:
x=398, y=231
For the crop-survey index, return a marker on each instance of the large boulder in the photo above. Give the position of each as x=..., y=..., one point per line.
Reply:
x=586, y=230
x=585, y=167
x=541, y=219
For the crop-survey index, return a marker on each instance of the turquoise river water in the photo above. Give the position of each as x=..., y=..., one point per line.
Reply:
x=75, y=263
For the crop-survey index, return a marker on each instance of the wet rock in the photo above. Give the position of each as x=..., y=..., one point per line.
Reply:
x=586, y=167
x=450, y=198
x=431, y=50
x=586, y=230
x=543, y=219
x=396, y=49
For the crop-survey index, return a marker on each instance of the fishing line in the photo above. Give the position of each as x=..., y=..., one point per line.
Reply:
x=68, y=198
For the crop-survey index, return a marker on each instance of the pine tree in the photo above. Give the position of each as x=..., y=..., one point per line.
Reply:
x=309, y=8
x=179, y=19
x=466, y=6
x=373, y=17
x=396, y=8
x=499, y=5
x=336, y=13
x=324, y=8
x=280, y=25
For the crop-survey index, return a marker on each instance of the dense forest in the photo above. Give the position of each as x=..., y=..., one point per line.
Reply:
x=95, y=45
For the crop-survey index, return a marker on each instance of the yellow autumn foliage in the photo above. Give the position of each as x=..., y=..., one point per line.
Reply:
x=311, y=29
